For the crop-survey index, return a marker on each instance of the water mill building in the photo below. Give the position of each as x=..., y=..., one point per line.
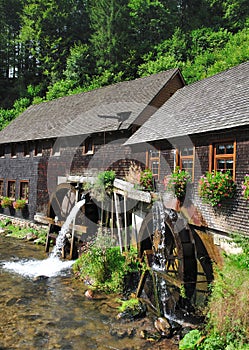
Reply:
x=162, y=124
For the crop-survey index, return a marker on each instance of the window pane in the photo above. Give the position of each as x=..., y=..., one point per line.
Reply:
x=229, y=149
x=187, y=164
x=155, y=167
x=224, y=149
x=24, y=190
x=220, y=149
x=154, y=153
x=11, y=189
x=187, y=151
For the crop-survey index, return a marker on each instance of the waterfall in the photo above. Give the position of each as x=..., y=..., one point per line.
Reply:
x=159, y=231
x=56, y=252
x=165, y=298
x=52, y=266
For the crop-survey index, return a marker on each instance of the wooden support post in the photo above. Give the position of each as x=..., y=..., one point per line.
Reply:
x=73, y=230
x=117, y=209
x=125, y=223
x=48, y=238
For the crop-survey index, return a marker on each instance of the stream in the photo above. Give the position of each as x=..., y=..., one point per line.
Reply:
x=54, y=313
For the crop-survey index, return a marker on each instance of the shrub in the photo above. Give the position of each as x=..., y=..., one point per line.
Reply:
x=104, y=267
x=103, y=184
x=245, y=187
x=215, y=187
x=177, y=183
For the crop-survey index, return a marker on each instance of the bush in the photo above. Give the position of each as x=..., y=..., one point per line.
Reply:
x=104, y=267
x=215, y=187
x=245, y=187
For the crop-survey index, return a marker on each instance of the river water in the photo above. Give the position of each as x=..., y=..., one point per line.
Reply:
x=54, y=313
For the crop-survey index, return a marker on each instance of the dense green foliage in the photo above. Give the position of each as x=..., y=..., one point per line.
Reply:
x=227, y=325
x=51, y=48
x=104, y=267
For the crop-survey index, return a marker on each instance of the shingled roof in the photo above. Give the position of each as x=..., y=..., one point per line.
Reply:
x=105, y=109
x=215, y=103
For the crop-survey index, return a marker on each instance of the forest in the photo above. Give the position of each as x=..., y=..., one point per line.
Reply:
x=53, y=48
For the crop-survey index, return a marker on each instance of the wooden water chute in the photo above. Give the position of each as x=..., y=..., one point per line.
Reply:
x=179, y=268
x=61, y=203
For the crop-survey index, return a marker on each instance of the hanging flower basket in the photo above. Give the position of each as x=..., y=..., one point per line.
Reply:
x=177, y=183
x=245, y=187
x=6, y=202
x=19, y=204
x=146, y=180
x=215, y=187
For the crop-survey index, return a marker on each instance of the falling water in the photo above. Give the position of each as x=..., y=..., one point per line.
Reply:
x=159, y=263
x=56, y=252
x=52, y=266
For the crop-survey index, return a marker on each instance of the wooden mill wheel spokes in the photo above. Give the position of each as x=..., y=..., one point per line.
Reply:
x=178, y=257
x=62, y=201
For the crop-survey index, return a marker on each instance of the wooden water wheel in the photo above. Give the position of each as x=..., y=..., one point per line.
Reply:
x=62, y=201
x=177, y=258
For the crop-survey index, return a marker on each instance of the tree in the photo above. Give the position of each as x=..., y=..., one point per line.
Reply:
x=109, y=21
x=49, y=29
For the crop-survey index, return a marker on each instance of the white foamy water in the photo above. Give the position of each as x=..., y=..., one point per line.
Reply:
x=52, y=266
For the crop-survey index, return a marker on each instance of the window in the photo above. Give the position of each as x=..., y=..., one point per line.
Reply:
x=26, y=149
x=186, y=159
x=224, y=157
x=56, y=149
x=1, y=188
x=2, y=151
x=88, y=147
x=38, y=149
x=154, y=163
x=13, y=150
x=11, y=189
x=24, y=190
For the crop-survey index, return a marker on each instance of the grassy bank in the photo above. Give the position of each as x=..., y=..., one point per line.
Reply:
x=227, y=321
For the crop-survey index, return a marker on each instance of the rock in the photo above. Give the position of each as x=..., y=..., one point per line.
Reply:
x=40, y=278
x=31, y=236
x=133, y=313
x=163, y=326
x=89, y=294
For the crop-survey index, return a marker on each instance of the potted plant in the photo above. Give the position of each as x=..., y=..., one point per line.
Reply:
x=245, y=187
x=177, y=183
x=6, y=202
x=19, y=204
x=215, y=187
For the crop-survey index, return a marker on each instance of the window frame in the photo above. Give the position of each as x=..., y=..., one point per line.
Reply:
x=13, y=150
x=2, y=150
x=26, y=149
x=86, y=150
x=213, y=156
x=20, y=190
x=180, y=159
x=150, y=161
x=9, y=194
x=1, y=188
x=38, y=149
